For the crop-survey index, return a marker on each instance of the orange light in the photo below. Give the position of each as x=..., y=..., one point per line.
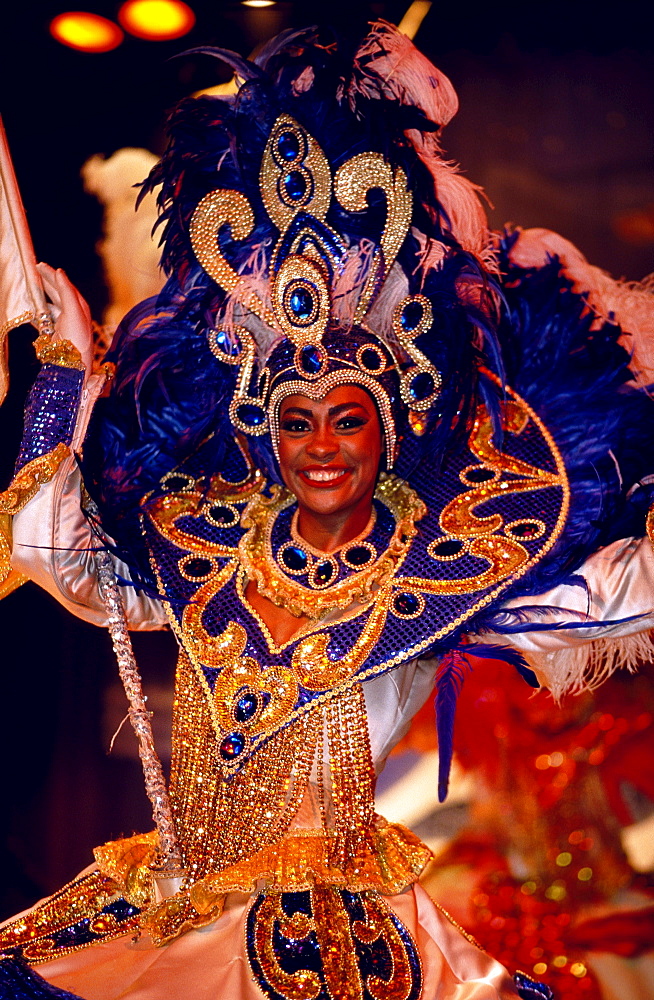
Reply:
x=156, y=20
x=86, y=32
x=258, y=3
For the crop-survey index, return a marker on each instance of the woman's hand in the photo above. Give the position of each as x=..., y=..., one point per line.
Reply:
x=70, y=312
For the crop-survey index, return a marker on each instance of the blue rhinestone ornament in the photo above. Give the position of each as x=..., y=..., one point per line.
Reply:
x=232, y=746
x=294, y=559
x=421, y=386
x=288, y=146
x=310, y=360
x=406, y=605
x=246, y=707
x=225, y=347
x=251, y=415
x=295, y=185
x=301, y=305
x=411, y=315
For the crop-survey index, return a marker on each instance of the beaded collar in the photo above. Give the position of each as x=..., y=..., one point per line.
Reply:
x=298, y=577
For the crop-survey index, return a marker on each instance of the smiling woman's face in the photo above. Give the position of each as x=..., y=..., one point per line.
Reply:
x=330, y=449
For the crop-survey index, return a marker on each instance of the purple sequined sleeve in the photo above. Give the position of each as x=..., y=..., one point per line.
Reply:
x=50, y=412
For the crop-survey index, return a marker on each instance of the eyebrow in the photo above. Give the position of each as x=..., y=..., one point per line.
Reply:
x=334, y=411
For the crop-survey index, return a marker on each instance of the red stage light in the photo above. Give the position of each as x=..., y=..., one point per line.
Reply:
x=156, y=20
x=86, y=32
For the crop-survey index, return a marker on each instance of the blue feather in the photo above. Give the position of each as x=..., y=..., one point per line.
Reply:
x=449, y=681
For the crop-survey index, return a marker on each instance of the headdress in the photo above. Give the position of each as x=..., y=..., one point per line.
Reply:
x=311, y=228
x=295, y=219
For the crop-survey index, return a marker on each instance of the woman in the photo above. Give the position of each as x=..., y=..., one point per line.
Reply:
x=308, y=464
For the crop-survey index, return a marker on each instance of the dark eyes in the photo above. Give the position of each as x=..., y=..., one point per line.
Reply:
x=294, y=425
x=348, y=423
x=299, y=425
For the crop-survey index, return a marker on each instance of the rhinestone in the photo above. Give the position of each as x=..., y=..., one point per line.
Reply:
x=310, y=359
x=232, y=746
x=301, y=303
x=250, y=414
x=323, y=572
x=222, y=515
x=450, y=547
x=294, y=558
x=479, y=475
x=371, y=360
x=226, y=344
x=422, y=386
x=198, y=568
x=411, y=315
x=406, y=604
x=295, y=185
x=176, y=483
x=526, y=529
x=358, y=555
x=246, y=707
x=288, y=146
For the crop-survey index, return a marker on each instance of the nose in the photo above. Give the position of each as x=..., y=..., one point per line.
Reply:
x=323, y=444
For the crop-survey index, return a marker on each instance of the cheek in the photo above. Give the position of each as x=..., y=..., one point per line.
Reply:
x=287, y=451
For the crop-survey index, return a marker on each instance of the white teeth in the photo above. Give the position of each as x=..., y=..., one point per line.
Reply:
x=323, y=475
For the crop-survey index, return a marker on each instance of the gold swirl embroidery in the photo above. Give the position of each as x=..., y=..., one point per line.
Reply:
x=336, y=935
x=28, y=481
x=302, y=985
x=166, y=510
x=274, y=686
x=217, y=209
x=353, y=181
x=317, y=672
x=505, y=556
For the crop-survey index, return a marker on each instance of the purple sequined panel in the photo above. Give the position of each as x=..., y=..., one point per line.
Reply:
x=50, y=412
x=19, y=982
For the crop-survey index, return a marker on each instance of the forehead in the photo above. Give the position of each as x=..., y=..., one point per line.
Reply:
x=342, y=395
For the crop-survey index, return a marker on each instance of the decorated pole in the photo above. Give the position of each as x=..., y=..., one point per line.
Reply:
x=170, y=865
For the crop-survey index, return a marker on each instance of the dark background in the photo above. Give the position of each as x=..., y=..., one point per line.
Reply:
x=556, y=121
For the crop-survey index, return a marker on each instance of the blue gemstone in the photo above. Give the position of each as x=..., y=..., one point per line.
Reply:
x=411, y=315
x=232, y=746
x=406, y=604
x=450, y=547
x=526, y=529
x=246, y=707
x=310, y=360
x=288, y=146
x=371, y=360
x=301, y=303
x=198, y=568
x=226, y=343
x=222, y=515
x=294, y=558
x=323, y=572
x=295, y=185
x=250, y=414
x=359, y=555
x=176, y=483
x=479, y=475
x=421, y=386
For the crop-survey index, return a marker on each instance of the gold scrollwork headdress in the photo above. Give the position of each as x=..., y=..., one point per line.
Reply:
x=311, y=268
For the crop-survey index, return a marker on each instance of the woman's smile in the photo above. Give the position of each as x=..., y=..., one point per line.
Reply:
x=324, y=476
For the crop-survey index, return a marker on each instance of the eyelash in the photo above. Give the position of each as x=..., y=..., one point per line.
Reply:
x=295, y=425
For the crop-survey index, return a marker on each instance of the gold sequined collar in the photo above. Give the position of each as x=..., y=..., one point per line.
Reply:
x=279, y=586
